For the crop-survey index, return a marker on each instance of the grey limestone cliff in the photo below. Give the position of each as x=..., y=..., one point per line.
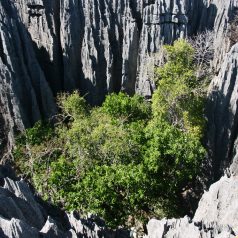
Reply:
x=104, y=46
x=25, y=96
x=223, y=117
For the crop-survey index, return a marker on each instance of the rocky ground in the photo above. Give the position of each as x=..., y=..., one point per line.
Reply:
x=24, y=215
x=216, y=216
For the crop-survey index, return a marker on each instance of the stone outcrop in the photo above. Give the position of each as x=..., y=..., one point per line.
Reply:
x=184, y=228
x=222, y=96
x=223, y=116
x=25, y=96
x=23, y=215
x=105, y=46
x=216, y=215
x=219, y=204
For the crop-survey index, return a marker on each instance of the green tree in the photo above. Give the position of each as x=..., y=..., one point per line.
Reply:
x=179, y=98
x=172, y=161
x=124, y=158
x=125, y=107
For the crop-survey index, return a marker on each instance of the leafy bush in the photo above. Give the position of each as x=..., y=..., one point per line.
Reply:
x=35, y=135
x=124, y=158
x=179, y=98
x=173, y=155
x=125, y=107
x=72, y=105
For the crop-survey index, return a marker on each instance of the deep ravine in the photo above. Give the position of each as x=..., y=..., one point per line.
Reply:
x=98, y=47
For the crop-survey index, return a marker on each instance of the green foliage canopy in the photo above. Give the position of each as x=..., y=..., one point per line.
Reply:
x=125, y=158
x=180, y=96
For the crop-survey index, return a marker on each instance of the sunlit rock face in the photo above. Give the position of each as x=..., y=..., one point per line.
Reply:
x=105, y=46
x=216, y=215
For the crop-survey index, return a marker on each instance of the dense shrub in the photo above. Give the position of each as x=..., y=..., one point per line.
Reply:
x=179, y=98
x=124, y=158
x=125, y=107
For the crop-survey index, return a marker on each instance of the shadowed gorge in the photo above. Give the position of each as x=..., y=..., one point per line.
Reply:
x=99, y=47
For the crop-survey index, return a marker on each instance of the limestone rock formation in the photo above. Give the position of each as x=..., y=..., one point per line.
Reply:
x=105, y=46
x=221, y=108
x=222, y=115
x=216, y=215
x=23, y=216
x=184, y=228
x=25, y=96
x=219, y=204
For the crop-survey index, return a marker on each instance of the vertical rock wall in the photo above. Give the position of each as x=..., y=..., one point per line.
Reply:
x=104, y=46
x=222, y=117
x=25, y=96
x=101, y=46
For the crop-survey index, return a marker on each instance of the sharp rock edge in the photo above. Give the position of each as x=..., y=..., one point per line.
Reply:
x=23, y=215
